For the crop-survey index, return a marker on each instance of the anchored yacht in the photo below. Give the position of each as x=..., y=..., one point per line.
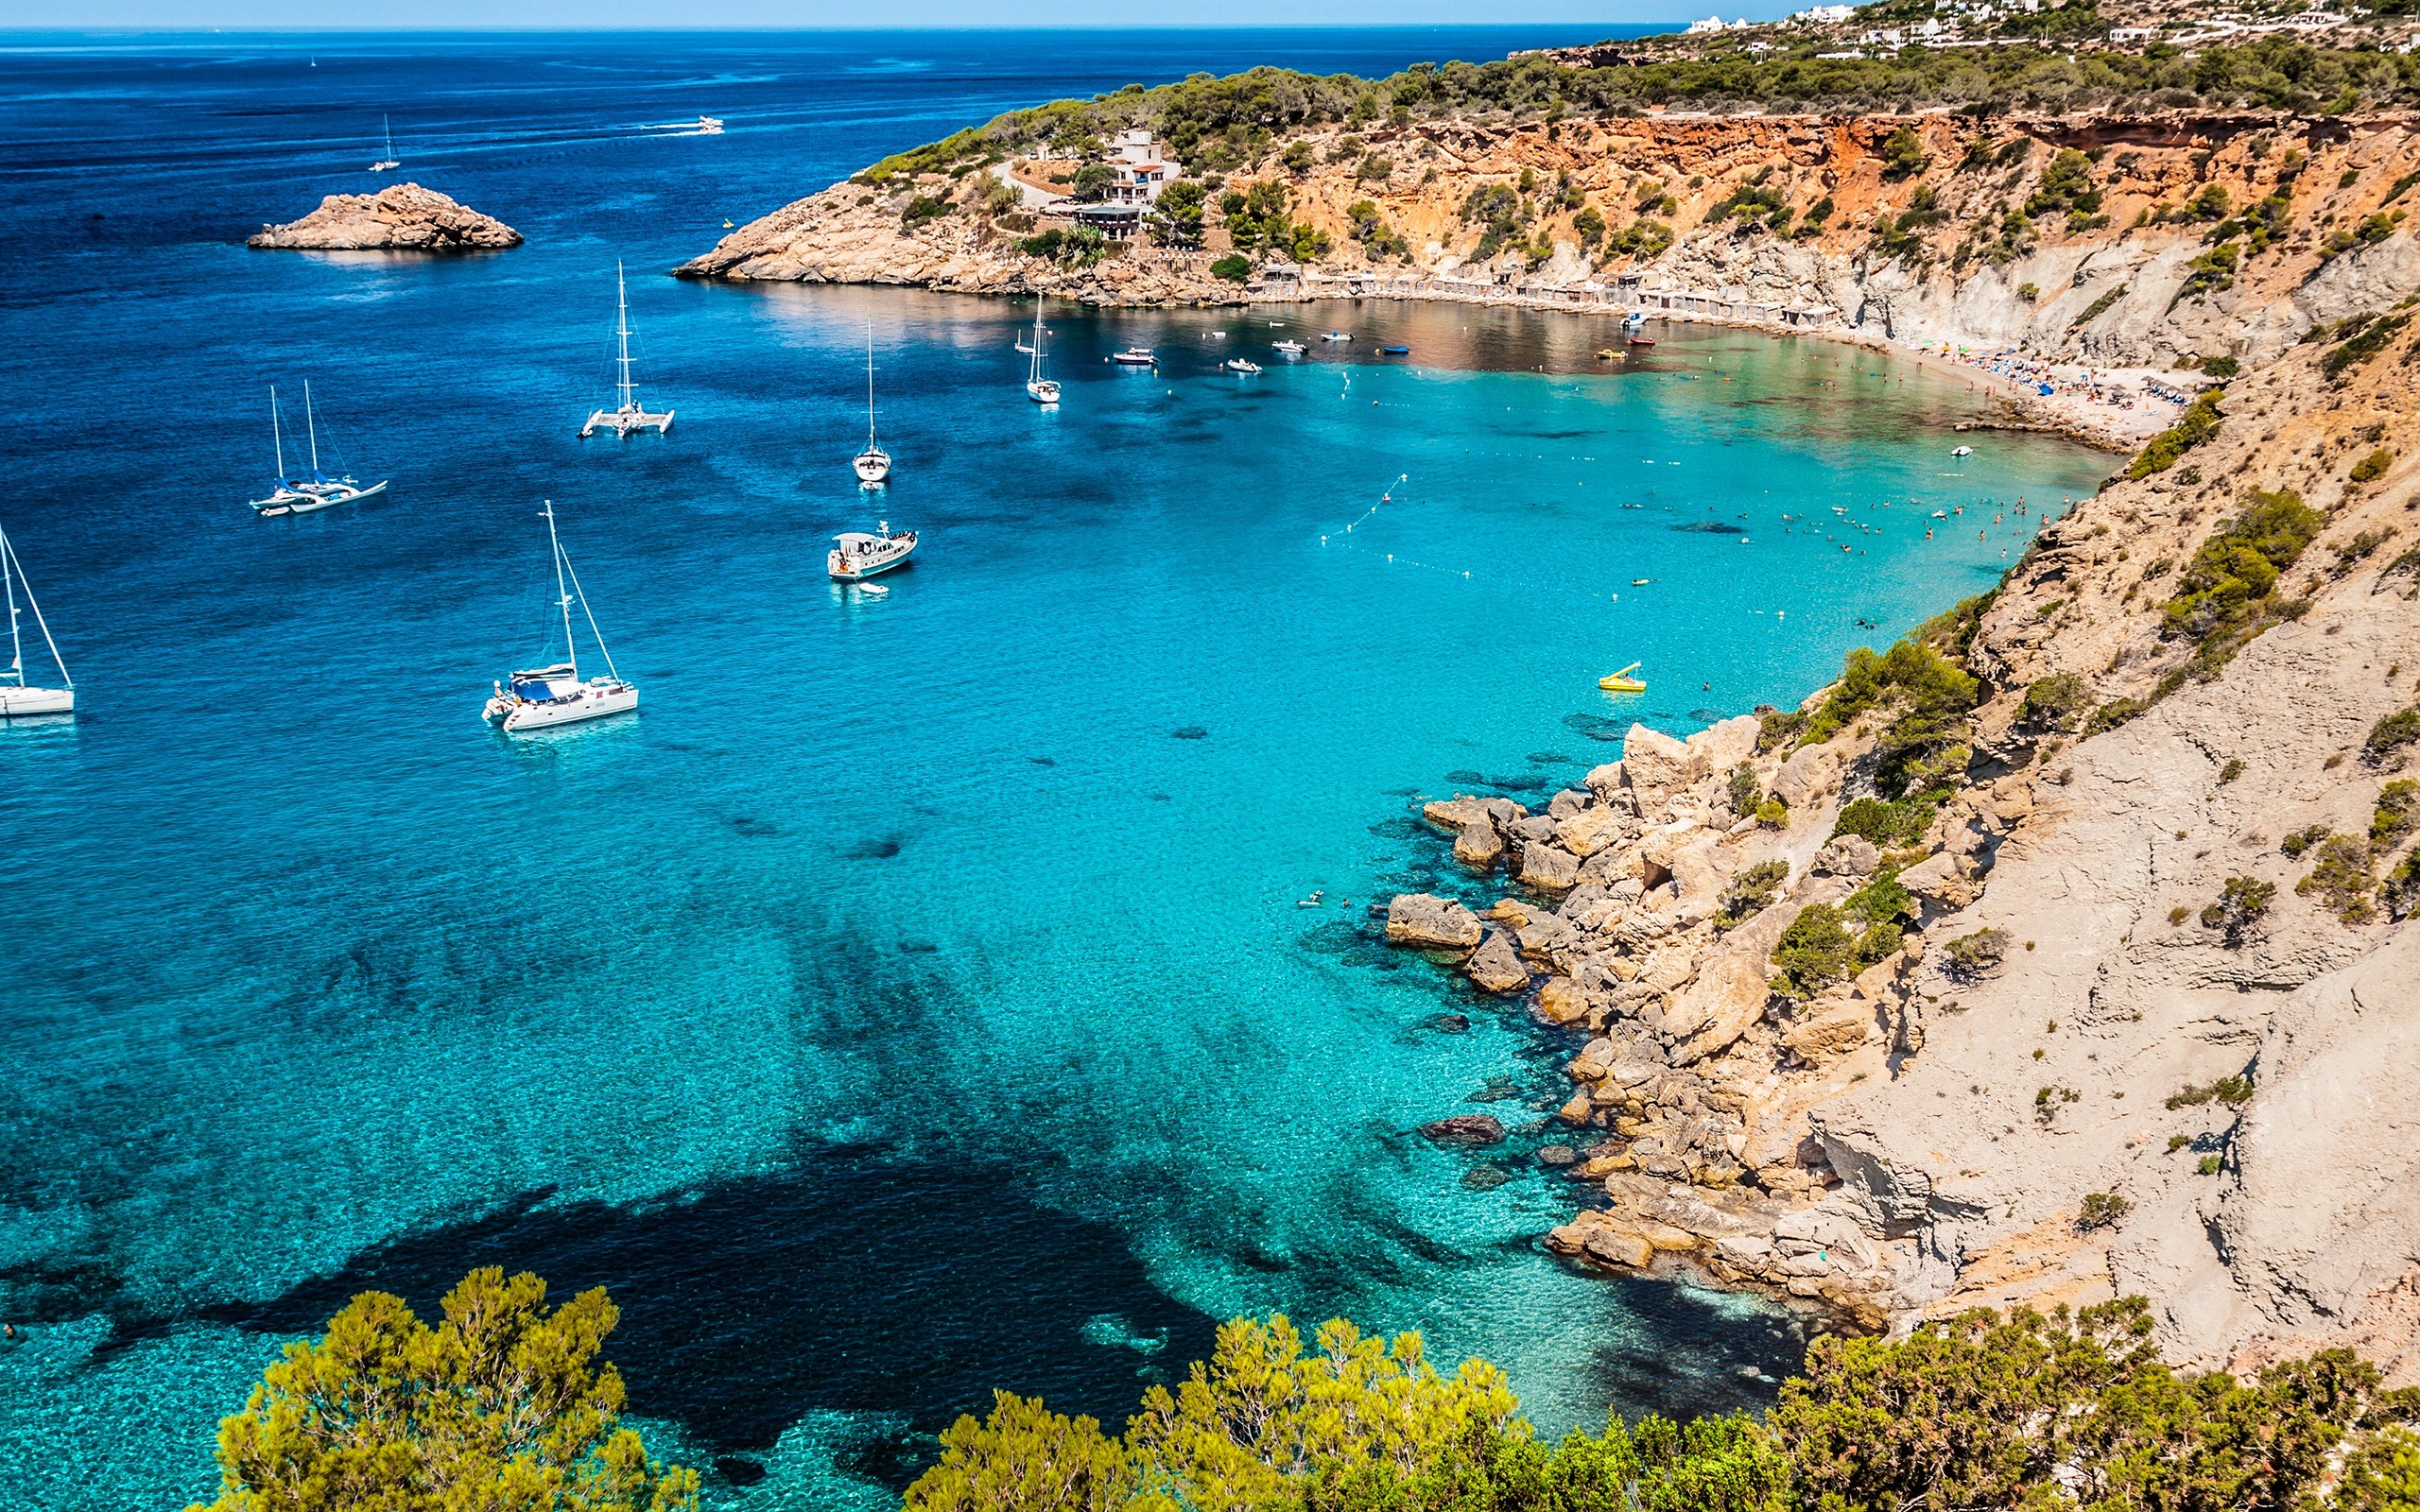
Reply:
x=539, y=697
x=859, y=556
x=389, y=162
x=296, y=495
x=629, y=415
x=17, y=695
x=874, y=463
x=1038, y=389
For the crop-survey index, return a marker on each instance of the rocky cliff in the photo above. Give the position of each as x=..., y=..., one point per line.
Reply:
x=2148, y=1027
x=404, y=217
x=2133, y=241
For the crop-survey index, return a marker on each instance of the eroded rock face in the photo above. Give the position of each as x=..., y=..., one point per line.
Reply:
x=403, y=218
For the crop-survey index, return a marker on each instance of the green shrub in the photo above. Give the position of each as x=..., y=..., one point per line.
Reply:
x=1922, y=747
x=2400, y=889
x=1773, y=813
x=2112, y=713
x=1744, y=792
x=2398, y=805
x=1882, y=901
x=1903, y=154
x=923, y=207
x=1813, y=952
x=1971, y=955
x=2340, y=878
x=2209, y=1165
x=2240, y=903
x=2222, y=368
x=2391, y=734
x=1234, y=267
x=2055, y=703
x=2231, y=1091
x=2373, y=466
x=1887, y=824
x=2233, y=769
x=2369, y=338
x=2200, y=421
x=2101, y=1210
x=1751, y=893
x=1775, y=728
x=2298, y=841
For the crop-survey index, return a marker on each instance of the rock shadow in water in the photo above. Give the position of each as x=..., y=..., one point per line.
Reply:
x=853, y=1281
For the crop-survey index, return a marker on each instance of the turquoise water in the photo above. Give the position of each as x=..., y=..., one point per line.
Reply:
x=912, y=999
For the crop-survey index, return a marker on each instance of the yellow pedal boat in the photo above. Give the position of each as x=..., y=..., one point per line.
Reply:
x=1622, y=681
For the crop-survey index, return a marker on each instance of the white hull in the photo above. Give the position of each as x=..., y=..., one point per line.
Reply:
x=311, y=500
x=1043, y=392
x=623, y=421
x=878, y=554
x=593, y=699
x=872, y=467
x=16, y=702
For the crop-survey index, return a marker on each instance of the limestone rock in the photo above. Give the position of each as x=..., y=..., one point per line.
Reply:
x=1851, y=855
x=1657, y=768
x=1479, y=847
x=1811, y=771
x=1831, y=1033
x=1588, y=831
x=1457, y=813
x=1606, y=781
x=1728, y=743
x=401, y=217
x=1426, y=921
x=1561, y=1002
x=1548, y=869
x=1465, y=1128
x=1940, y=879
x=1496, y=967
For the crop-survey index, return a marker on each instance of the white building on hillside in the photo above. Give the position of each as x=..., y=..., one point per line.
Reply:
x=1142, y=171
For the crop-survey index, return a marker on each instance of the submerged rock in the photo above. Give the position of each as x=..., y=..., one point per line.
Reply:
x=402, y=217
x=1485, y=1178
x=1465, y=1128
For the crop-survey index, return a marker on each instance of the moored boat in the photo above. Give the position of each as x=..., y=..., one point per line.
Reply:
x=629, y=415
x=1243, y=366
x=1038, y=389
x=1291, y=349
x=1622, y=681
x=1134, y=357
x=858, y=556
x=305, y=496
x=536, y=697
x=1394, y=352
x=873, y=464
x=17, y=696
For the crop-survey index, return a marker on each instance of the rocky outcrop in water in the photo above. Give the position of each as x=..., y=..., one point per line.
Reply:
x=404, y=218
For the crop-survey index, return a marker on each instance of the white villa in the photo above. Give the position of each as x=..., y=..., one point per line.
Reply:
x=1142, y=172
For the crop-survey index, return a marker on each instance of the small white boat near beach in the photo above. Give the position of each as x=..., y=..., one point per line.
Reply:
x=629, y=415
x=539, y=697
x=1291, y=349
x=19, y=697
x=305, y=495
x=1337, y=336
x=1242, y=365
x=858, y=556
x=1963, y=450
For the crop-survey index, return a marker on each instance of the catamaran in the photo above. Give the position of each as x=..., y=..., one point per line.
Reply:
x=17, y=695
x=302, y=495
x=389, y=162
x=629, y=415
x=859, y=556
x=557, y=695
x=1038, y=389
x=874, y=463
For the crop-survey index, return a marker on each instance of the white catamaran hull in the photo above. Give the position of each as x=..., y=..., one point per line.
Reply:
x=593, y=700
x=872, y=467
x=16, y=702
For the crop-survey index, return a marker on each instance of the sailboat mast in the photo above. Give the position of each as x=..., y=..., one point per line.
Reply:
x=869, y=441
x=313, y=423
x=18, y=569
x=622, y=327
x=276, y=436
x=1037, y=338
x=16, y=647
x=562, y=593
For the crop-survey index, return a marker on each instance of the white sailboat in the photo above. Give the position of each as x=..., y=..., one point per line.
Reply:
x=557, y=695
x=17, y=695
x=629, y=415
x=303, y=495
x=389, y=162
x=874, y=463
x=1038, y=389
x=859, y=556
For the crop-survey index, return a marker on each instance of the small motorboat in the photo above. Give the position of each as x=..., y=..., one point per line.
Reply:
x=1640, y=582
x=1394, y=352
x=873, y=590
x=1313, y=900
x=1134, y=357
x=1242, y=365
x=1963, y=450
x=1641, y=340
x=1336, y=336
x=710, y=126
x=1291, y=349
x=1622, y=681
x=860, y=556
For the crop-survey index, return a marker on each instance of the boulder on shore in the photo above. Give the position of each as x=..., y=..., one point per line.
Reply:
x=402, y=217
x=1496, y=967
x=1426, y=921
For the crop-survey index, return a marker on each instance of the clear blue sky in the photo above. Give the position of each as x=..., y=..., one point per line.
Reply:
x=589, y=15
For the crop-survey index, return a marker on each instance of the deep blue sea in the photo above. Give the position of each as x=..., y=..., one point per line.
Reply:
x=912, y=998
